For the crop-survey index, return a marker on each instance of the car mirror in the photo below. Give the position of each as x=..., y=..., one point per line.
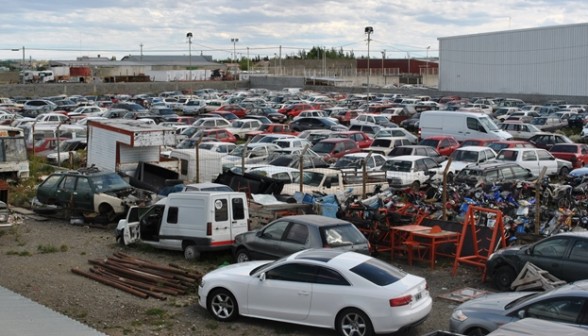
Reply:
x=521, y=314
x=262, y=277
x=259, y=233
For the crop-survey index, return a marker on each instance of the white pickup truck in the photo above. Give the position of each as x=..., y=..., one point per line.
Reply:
x=333, y=181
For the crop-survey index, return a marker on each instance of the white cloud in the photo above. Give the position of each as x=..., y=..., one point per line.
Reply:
x=66, y=29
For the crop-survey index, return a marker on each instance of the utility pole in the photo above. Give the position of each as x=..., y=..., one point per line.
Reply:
x=368, y=31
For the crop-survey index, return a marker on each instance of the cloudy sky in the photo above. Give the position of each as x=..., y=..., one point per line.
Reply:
x=67, y=29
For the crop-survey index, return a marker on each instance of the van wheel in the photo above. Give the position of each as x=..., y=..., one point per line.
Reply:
x=242, y=255
x=191, y=253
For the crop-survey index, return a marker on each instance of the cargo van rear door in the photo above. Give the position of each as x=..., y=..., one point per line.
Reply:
x=230, y=218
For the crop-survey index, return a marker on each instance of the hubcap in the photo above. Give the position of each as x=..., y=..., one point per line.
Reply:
x=353, y=325
x=222, y=306
x=242, y=257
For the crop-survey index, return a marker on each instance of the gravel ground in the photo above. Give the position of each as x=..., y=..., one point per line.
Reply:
x=36, y=258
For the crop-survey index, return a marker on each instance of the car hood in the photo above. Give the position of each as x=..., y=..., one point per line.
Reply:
x=491, y=303
x=242, y=269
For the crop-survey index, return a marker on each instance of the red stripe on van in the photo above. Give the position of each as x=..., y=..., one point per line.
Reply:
x=221, y=243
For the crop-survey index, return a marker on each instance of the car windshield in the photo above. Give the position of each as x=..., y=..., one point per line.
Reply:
x=378, y=272
x=381, y=143
x=187, y=144
x=507, y=155
x=263, y=267
x=397, y=165
x=488, y=124
x=108, y=182
x=349, y=162
x=398, y=151
x=430, y=142
x=311, y=178
x=323, y=147
x=341, y=235
x=465, y=156
x=381, y=120
x=539, y=121
x=497, y=147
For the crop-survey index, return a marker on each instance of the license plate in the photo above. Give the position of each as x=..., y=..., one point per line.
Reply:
x=418, y=296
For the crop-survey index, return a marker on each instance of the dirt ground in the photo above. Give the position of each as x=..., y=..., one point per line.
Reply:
x=36, y=258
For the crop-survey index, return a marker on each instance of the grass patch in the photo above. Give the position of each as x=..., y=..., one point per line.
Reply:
x=19, y=253
x=213, y=325
x=47, y=249
x=155, y=312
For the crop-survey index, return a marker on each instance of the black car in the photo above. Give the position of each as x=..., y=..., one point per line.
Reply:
x=310, y=123
x=547, y=140
x=563, y=255
x=412, y=123
x=87, y=191
x=577, y=120
x=488, y=173
x=290, y=234
x=268, y=112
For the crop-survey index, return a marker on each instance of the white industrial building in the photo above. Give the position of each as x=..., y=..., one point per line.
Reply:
x=543, y=61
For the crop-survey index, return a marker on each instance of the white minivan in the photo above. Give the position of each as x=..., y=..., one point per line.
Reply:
x=461, y=125
x=189, y=221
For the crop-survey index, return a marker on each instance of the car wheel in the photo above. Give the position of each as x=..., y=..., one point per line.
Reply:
x=564, y=171
x=503, y=277
x=191, y=253
x=242, y=255
x=120, y=240
x=106, y=213
x=415, y=186
x=237, y=137
x=353, y=322
x=222, y=305
x=477, y=332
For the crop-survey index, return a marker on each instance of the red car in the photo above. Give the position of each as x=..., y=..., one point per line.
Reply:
x=345, y=117
x=577, y=154
x=499, y=145
x=230, y=116
x=271, y=128
x=332, y=149
x=235, y=109
x=294, y=110
x=217, y=134
x=444, y=144
x=477, y=142
x=46, y=144
x=360, y=138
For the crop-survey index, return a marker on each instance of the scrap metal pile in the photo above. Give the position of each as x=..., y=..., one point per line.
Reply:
x=141, y=277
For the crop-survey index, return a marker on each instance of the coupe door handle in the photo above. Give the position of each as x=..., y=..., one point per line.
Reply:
x=303, y=293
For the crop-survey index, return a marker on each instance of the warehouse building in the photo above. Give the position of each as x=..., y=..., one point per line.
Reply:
x=540, y=61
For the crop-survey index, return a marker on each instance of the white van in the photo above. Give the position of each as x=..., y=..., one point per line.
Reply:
x=210, y=164
x=189, y=221
x=461, y=125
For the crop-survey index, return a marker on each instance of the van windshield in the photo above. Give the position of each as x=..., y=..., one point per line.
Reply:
x=488, y=124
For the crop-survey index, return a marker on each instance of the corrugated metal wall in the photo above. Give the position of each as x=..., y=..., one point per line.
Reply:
x=102, y=147
x=550, y=61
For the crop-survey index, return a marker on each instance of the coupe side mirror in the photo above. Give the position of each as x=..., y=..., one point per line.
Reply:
x=521, y=313
x=262, y=277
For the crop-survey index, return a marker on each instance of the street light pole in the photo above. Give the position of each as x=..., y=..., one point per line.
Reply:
x=368, y=30
x=189, y=36
x=22, y=66
x=247, y=59
x=234, y=40
x=383, y=57
x=429, y=47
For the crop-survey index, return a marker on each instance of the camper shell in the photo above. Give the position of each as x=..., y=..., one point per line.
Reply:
x=189, y=221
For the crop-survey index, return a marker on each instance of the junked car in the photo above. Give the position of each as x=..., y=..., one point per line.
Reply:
x=86, y=192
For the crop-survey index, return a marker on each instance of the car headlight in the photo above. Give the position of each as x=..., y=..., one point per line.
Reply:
x=459, y=315
x=201, y=284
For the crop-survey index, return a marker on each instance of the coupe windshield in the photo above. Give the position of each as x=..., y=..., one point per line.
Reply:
x=465, y=156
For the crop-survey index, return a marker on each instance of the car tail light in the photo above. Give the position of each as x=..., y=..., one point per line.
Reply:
x=401, y=301
x=209, y=229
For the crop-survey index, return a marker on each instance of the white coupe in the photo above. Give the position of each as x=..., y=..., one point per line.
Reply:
x=355, y=294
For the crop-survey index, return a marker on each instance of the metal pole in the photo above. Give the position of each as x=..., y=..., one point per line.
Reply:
x=364, y=175
x=537, y=200
x=247, y=59
x=58, y=135
x=301, y=167
x=368, y=31
x=198, y=157
x=444, y=193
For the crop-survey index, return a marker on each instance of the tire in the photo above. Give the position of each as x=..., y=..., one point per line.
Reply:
x=106, y=213
x=415, y=186
x=222, y=305
x=120, y=240
x=242, y=255
x=191, y=253
x=564, y=171
x=477, y=332
x=353, y=322
x=503, y=277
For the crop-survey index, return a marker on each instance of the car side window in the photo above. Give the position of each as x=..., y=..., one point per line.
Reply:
x=561, y=310
x=298, y=233
x=444, y=143
x=68, y=183
x=83, y=186
x=419, y=166
x=326, y=276
x=492, y=175
x=554, y=248
x=292, y=272
x=473, y=124
x=275, y=231
x=238, y=208
x=379, y=160
x=520, y=172
x=529, y=156
x=579, y=251
x=51, y=181
x=430, y=163
x=221, y=212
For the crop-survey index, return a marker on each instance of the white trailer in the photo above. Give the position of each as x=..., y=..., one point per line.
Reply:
x=120, y=145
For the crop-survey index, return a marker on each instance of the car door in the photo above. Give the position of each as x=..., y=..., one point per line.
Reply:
x=267, y=242
x=547, y=160
x=84, y=194
x=65, y=192
x=575, y=264
x=295, y=239
x=530, y=161
x=550, y=255
x=283, y=292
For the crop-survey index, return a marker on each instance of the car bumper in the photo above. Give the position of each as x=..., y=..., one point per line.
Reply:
x=403, y=317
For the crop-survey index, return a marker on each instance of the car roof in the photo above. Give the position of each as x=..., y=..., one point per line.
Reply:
x=473, y=148
x=490, y=165
x=407, y=158
x=336, y=140
x=333, y=257
x=439, y=137
x=315, y=220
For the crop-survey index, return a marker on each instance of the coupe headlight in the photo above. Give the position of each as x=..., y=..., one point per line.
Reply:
x=459, y=315
x=201, y=284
